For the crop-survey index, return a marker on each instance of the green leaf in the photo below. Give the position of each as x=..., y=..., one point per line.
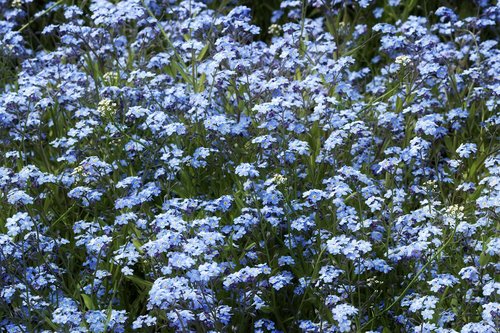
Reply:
x=137, y=244
x=266, y=309
x=138, y=281
x=399, y=104
x=182, y=72
x=484, y=259
x=50, y=323
x=448, y=142
x=87, y=300
x=203, y=52
x=201, y=82
x=250, y=246
x=239, y=202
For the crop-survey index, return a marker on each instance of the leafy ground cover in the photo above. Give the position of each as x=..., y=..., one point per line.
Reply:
x=249, y=166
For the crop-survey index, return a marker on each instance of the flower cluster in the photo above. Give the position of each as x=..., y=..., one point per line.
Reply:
x=173, y=166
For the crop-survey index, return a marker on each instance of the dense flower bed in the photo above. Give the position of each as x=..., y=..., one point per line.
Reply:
x=172, y=166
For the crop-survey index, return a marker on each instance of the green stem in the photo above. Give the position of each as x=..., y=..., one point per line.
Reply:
x=42, y=14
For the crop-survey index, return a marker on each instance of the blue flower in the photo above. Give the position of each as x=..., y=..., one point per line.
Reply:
x=246, y=170
x=466, y=150
x=342, y=314
x=16, y=197
x=280, y=280
x=18, y=223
